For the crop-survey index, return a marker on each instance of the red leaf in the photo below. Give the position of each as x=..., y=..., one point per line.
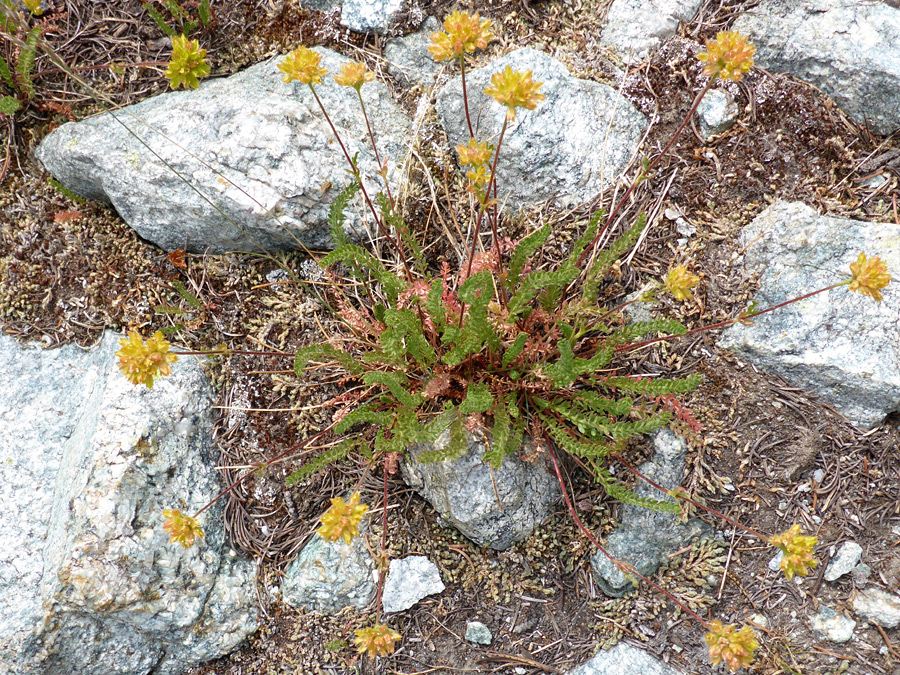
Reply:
x=66, y=216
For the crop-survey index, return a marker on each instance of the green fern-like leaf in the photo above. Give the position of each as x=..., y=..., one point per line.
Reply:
x=396, y=223
x=9, y=105
x=526, y=248
x=653, y=387
x=325, y=352
x=6, y=75
x=587, y=237
x=478, y=399
x=514, y=349
x=157, y=17
x=434, y=305
x=550, y=283
x=357, y=257
x=455, y=447
x=605, y=258
x=622, y=494
x=364, y=414
x=403, y=337
x=567, y=368
x=637, y=329
x=507, y=433
x=578, y=446
x=203, y=12
x=337, y=215
x=476, y=292
x=615, y=407
x=26, y=60
x=324, y=460
x=394, y=382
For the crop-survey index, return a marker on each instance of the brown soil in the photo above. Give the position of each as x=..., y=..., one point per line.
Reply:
x=69, y=269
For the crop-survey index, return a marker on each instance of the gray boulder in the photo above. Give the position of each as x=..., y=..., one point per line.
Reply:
x=846, y=48
x=878, y=606
x=362, y=16
x=645, y=537
x=409, y=580
x=623, y=659
x=634, y=28
x=840, y=345
x=573, y=145
x=408, y=58
x=328, y=576
x=89, y=582
x=277, y=165
x=492, y=507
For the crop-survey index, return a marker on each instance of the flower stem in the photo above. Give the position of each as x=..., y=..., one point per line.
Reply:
x=381, y=167
x=624, y=567
x=728, y=322
x=462, y=68
x=398, y=244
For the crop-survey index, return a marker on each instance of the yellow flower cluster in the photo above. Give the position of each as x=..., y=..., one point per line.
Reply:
x=463, y=34
x=477, y=156
x=728, y=57
x=680, y=282
x=141, y=362
x=734, y=647
x=33, y=6
x=514, y=90
x=302, y=65
x=181, y=528
x=354, y=75
x=342, y=519
x=187, y=63
x=869, y=276
x=797, y=550
x=376, y=641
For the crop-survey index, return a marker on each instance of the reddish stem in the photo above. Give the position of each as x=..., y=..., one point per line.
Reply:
x=728, y=322
x=626, y=569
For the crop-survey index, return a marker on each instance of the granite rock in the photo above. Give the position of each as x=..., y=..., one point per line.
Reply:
x=839, y=345
x=257, y=164
x=89, y=582
x=846, y=48
x=569, y=148
x=634, y=28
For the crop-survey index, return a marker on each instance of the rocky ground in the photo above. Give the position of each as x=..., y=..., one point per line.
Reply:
x=769, y=454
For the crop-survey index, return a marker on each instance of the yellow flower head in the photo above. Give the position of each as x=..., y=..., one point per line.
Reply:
x=869, y=276
x=797, y=550
x=475, y=153
x=729, y=57
x=376, y=641
x=354, y=75
x=141, y=362
x=463, y=34
x=514, y=90
x=187, y=63
x=302, y=64
x=33, y=6
x=181, y=528
x=680, y=282
x=342, y=519
x=733, y=647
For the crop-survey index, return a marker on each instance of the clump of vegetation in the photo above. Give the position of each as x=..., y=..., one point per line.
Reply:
x=495, y=347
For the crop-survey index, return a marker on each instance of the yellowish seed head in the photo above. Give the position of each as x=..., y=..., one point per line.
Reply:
x=181, y=528
x=729, y=56
x=463, y=34
x=302, y=65
x=376, y=641
x=514, y=89
x=734, y=647
x=342, y=519
x=869, y=276
x=354, y=75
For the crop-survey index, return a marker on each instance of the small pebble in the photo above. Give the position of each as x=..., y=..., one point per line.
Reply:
x=478, y=633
